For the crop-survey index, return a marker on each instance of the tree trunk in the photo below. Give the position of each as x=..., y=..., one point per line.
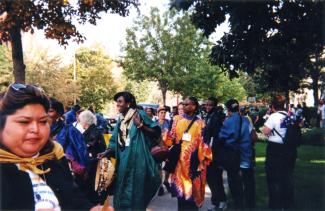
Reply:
x=163, y=88
x=314, y=85
x=17, y=55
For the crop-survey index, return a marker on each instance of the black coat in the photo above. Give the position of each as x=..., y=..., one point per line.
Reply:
x=214, y=121
x=94, y=140
x=16, y=191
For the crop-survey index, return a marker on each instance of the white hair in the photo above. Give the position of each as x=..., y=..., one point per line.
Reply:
x=87, y=117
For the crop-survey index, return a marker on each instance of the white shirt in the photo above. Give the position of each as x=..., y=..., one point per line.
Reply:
x=78, y=126
x=44, y=196
x=275, y=122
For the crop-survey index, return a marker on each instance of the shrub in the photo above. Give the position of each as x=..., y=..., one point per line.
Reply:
x=314, y=136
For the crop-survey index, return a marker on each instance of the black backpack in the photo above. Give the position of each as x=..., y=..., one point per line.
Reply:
x=293, y=136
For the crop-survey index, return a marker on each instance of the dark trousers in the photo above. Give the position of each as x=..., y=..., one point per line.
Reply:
x=279, y=166
x=186, y=205
x=248, y=182
x=235, y=186
x=215, y=182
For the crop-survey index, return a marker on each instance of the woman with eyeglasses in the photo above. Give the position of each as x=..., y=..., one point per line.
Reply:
x=34, y=172
x=189, y=177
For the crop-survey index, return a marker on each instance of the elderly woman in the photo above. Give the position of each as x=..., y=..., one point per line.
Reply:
x=95, y=144
x=34, y=172
x=137, y=175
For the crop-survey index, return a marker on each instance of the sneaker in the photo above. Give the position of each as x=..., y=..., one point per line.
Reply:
x=161, y=191
x=223, y=205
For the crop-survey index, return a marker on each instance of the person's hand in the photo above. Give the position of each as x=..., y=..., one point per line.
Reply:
x=137, y=120
x=103, y=154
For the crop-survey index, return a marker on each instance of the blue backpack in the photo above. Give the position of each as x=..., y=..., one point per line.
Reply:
x=293, y=137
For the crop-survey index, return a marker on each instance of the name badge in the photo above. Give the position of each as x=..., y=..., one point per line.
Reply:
x=127, y=141
x=186, y=137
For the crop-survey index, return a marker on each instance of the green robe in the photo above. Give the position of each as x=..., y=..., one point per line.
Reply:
x=137, y=176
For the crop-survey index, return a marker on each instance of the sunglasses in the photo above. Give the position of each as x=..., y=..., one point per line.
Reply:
x=18, y=86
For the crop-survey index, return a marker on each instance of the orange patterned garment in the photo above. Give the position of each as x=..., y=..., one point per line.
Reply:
x=189, y=178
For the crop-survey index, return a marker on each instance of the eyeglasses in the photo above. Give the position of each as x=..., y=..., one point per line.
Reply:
x=18, y=86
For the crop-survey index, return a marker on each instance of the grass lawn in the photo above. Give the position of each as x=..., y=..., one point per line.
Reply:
x=309, y=178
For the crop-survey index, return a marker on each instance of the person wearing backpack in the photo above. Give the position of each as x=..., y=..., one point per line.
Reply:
x=236, y=156
x=280, y=157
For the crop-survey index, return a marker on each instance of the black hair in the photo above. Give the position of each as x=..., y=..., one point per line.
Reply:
x=77, y=107
x=16, y=98
x=195, y=102
x=214, y=100
x=232, y=105
x=167, y=108
x=128, y=97
x=57, y=106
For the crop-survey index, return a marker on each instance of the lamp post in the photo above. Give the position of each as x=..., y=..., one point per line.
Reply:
x=74, y=76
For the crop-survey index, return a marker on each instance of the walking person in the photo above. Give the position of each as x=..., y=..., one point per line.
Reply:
x=71, y=140
x=164, y=126
x=213, y=124
x=137, y=176
x=95, y=144
x=189, y=178
x=280, y=160
x=237, y=156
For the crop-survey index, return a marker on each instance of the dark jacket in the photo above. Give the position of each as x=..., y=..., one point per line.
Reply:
x=95, y=144
x=213, y=121
x=94, y=140
x=16, y=191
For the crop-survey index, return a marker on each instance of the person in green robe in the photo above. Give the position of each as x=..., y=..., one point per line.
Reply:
x=137, y=176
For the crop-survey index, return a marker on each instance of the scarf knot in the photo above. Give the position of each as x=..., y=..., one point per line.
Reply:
x=32, y=163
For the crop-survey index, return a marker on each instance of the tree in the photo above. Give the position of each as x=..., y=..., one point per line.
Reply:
x=48, y=72
x=95, y=77
x=5, y=68
x=57, y=19
x=274, y=40
x=169, y=50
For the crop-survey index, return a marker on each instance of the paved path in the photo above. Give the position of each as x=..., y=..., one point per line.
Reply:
x=167, y=203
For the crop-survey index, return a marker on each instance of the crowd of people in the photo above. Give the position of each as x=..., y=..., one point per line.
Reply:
x=51, y=156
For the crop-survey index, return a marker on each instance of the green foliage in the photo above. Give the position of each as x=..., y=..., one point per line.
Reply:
x=169, y=50
x=314, y=136
x=229, y=88
x=308, y=175
x=94, y=77
x=47, y=72
x=278, y=43
x=57, y=18
x=5, y=68
x=140, y=90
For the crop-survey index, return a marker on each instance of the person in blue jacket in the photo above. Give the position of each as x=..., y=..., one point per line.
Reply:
x=71, y=140
x=237, y=156
x=71, y=116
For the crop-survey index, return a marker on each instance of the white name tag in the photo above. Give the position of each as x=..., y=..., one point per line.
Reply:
x=186, y=137
x=127, y=141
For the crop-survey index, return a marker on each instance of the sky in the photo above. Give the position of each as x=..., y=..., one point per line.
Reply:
x=109, y=32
